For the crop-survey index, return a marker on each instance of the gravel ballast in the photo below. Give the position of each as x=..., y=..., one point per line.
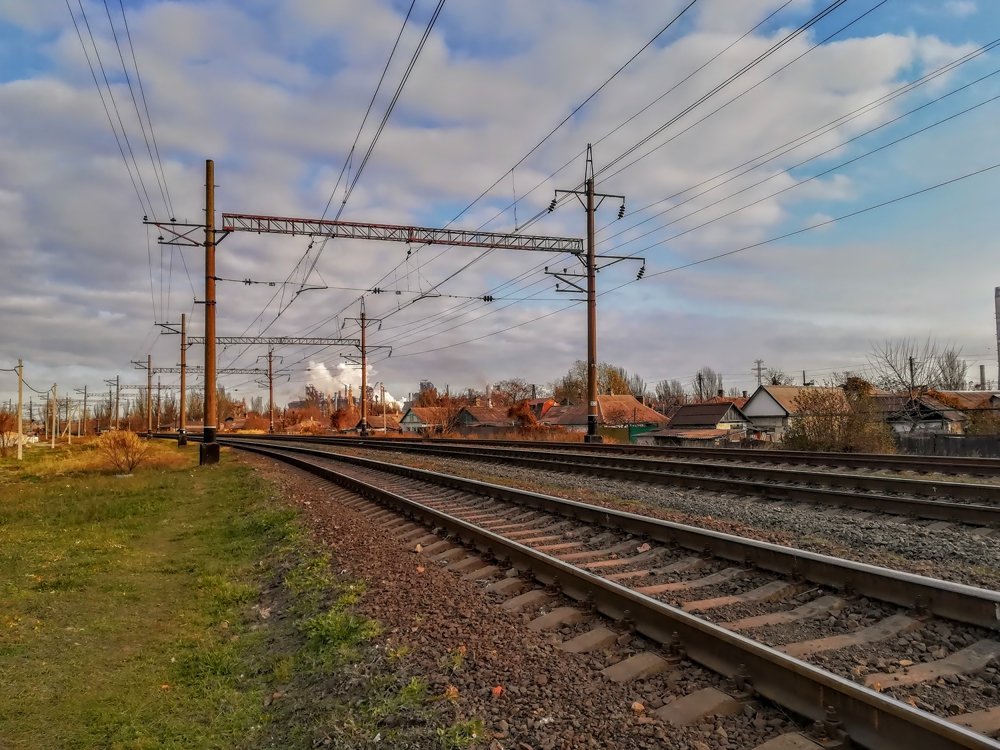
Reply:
x=954, y=554
x=484, y=663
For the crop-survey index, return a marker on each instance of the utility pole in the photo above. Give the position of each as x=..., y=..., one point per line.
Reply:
x=118, y=398
x=69, y=423
x=149, y=394
x=182, y=407
x=382, y=396
x=912, y=379
x=20, y=406
x=758, y=365
x=81, y=426
x=590, y=203
x=55, y=416
x=364, y=321
x=209, y=448
x=170, y=328
x=157, y=422
x=270, y=391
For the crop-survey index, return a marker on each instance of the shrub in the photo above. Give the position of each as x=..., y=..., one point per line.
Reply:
x=124, y=449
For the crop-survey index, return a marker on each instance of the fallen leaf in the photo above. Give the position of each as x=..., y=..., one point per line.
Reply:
x=164, y=686
x=497, y=691
x=421, y=568
x=419, y=548
x=638, y=708
x=451, y=693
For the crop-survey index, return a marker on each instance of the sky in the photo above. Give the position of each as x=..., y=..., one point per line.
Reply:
x=729, y=135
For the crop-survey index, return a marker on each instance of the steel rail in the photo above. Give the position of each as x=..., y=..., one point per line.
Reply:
x=759, y=481
x=875, y=461
x=871, y=719
x=954, y=601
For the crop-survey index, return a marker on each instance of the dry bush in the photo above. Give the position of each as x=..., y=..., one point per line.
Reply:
x=123, y=449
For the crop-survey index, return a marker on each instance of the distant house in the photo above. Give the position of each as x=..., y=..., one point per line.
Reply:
x=424, y=419
x=472, y=417
x=612, y=411
x=714, y=415
x=919, y=414
x=376, y=424
x=772, y=408
x=540, y=406
x=688, y=436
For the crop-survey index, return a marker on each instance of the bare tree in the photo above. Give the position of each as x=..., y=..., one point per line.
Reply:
x=638, y=387
x=775, y=376
x=951, y=369
x=508, y=392
x=670, y=392
x=908, y=366
x=706, y=383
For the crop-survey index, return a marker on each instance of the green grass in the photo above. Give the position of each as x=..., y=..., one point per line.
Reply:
x=182, y=607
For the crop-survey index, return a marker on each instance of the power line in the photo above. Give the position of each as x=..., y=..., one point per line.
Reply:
x=763, y=56
x=100, y=92
x=805, y=138
x=135, y=102
x=811, y=227
x=368, y=153
x=145, y=105
x=114, y=104
x=809, y=179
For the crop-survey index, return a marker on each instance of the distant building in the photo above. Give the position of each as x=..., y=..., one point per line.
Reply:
x=772, y=408
x=424, y=419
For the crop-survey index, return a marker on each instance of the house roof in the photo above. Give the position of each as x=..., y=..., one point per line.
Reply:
x=965, y=399
x=428, y=415
x=688, y=434
x=710, y=413
x=488, y=415
x=610, y=410
x=739, y=401
x=901, y=406
x=785, y=395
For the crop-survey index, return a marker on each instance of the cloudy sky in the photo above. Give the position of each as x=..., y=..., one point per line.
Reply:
x=730, y=132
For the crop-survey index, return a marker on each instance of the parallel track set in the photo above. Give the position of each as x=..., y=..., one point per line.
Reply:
x=973, y=503
x=489, y=517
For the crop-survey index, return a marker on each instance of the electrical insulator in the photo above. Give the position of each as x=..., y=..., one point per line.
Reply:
x=376, y=290
x=487, y=298
x=621, y=211
x=552, y=205
x=642, y=272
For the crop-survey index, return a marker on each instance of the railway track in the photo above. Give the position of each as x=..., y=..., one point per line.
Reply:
x=954, y=502
x=972, y=466
x=703, y=593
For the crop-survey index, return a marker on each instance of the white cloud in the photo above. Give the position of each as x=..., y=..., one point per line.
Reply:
x=275, y=99
x=960, y=8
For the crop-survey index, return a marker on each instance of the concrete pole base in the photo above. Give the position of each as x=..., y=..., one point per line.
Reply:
x=208, y=453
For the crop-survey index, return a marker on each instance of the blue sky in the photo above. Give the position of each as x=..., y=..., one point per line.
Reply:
x=275, y=93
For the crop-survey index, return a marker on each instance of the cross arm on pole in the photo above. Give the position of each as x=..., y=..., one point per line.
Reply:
x=397, y=233
x=276, y=341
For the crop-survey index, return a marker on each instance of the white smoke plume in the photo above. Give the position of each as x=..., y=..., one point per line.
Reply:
x=331, y=381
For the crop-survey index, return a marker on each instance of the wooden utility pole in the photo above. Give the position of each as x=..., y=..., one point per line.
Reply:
x=270, y=391
x=209, y=448
x=20, y=406
x=55, y=416
x=81, y=425
x=149, y=394
x=363, y=425
x=382, y=396
x=118, y=399
x=182, y=408
x=69, y=423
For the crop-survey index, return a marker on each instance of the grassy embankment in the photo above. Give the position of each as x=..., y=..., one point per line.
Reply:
x=183, y=607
